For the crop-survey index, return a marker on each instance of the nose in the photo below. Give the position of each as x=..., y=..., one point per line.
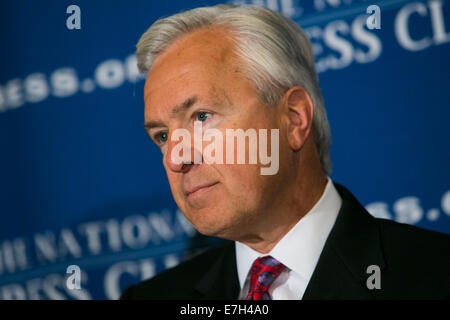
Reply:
x=180, y=155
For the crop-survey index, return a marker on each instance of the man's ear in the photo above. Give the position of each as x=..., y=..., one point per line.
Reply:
x=298, y=111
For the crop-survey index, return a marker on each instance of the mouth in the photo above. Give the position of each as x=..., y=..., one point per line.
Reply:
x=199, y=189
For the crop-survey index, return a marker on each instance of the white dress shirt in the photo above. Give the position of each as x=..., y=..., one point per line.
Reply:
x=298, y=250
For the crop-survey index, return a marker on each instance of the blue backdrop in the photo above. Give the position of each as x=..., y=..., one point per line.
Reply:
x=82, y=184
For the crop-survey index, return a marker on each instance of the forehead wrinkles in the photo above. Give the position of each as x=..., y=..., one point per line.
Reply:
x=219, y=97
x=208, y=46
x=211, y=64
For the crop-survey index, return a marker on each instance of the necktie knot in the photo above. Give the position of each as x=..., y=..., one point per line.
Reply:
x=263, y=273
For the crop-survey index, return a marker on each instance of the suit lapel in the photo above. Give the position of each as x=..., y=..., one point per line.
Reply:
x=221, y=281
x=353, y=245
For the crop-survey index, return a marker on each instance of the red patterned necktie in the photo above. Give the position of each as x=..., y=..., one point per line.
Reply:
x=263, y=273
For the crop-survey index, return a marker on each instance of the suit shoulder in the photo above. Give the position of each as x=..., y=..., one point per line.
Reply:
x=417, y=261
x=177, y=281
x=411, y=243
x=412, y=234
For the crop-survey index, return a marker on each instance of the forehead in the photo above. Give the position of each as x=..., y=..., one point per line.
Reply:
x=198, y=61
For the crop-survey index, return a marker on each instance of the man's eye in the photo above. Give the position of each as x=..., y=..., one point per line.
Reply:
x=161, y=137
x=203, y=116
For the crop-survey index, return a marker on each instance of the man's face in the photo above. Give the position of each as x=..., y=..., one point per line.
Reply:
x=198, y=79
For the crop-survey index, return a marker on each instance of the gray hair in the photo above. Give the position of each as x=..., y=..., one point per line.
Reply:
x=276, y=52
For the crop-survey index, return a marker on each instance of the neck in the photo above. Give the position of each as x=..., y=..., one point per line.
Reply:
x=284, y=215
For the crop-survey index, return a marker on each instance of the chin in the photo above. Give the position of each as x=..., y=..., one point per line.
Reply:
x=211, y=222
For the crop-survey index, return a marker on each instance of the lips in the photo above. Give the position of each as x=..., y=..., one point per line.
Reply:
x=192, y=190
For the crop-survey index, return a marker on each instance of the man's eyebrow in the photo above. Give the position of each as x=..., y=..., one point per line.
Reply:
x=182, y=107
x=152, y=124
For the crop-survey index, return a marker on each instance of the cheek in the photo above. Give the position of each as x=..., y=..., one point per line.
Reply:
x=174, y=183
x=241, y=180
x=248, y=189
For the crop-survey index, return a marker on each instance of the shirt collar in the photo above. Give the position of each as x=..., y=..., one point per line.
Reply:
x=300, y=248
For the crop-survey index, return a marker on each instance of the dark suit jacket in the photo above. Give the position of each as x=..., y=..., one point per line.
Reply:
x=414, y=264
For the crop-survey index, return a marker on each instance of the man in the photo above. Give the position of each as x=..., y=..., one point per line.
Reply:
x=294, y=234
